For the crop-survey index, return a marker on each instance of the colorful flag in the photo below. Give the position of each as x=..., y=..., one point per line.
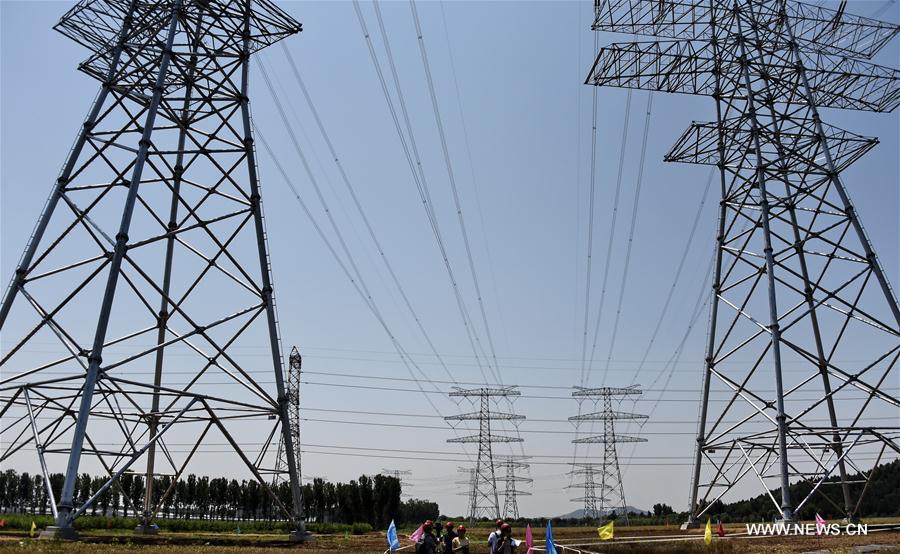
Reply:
x=550, y=548
x=417, y=534
x=529, y=539
x=720, y=530
x=707, y=535
x=821, y=524
x=33, y=528
x=606, y=531
x=393, y=541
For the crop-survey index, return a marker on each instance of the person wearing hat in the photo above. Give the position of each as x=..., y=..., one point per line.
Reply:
x=427, y=543
x=505, y=544
x=461, y=543
x=447, y=538
x=492, y=538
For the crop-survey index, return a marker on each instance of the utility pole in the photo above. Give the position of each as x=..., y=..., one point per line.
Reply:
x=797, y=286
x=510, y=464
x=612, y=490
x=484, y=501
x=152, y=249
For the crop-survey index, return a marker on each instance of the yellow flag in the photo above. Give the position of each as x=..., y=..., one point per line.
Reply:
x=33, y=528
x=707, y=536
x=606, y=532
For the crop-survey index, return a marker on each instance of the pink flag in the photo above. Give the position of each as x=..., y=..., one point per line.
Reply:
x=417, y=534
x=821, y=524
x=529, y=540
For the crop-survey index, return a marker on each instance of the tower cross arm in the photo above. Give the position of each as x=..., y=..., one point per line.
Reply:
x=600, y=416
x=603, y=439
x=488, y=415
x=585, y=392
x=485, y=391
x=816, y=28
x=95, y=24
x=688, y=67
x=488, y=438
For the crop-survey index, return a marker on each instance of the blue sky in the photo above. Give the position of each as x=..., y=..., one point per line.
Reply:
x=522, y=167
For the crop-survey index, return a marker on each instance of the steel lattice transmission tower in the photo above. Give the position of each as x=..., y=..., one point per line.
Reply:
x=483, y=498
x=399, y=475
x=588, y=484
x=148, y=269
x=469, y=484
x=295, y=366
x=803, y=345
x=510, y=464
x=612, y=490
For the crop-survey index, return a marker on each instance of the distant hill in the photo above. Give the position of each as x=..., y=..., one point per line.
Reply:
x=580, y=513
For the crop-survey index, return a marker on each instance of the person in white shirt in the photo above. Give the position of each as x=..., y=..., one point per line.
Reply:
x=492, y=538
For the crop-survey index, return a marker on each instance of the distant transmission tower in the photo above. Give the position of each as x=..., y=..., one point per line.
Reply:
x=510, y=464
x=803, y=345
x=483, y=500
x=612, y=490
x=469, y=484
x=148, y=270
x=399, y=474
x=588, y=484
x=295, y=365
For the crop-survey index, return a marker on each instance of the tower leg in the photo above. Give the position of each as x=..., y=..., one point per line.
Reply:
x=299, y=533
x=66, y=502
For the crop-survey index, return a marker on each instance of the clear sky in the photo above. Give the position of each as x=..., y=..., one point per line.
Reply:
x=513, y=72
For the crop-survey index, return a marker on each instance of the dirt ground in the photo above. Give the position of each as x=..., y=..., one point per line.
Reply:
x=199, y=543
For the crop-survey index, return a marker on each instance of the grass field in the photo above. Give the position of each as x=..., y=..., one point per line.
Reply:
x=102, y=541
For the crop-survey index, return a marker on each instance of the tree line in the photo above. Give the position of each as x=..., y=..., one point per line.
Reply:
x=370, y=499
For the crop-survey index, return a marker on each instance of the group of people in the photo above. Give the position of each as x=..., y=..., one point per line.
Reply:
x=453, y=540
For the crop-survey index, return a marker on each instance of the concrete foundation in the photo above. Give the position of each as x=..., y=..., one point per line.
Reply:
x=55, y=533
x=301, y=536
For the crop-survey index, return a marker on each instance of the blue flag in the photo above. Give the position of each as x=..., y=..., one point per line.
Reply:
x=393, y=541
x=550, y=547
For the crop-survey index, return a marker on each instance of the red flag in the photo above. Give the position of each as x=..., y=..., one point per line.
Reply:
x=720, y=530
x=2, y=523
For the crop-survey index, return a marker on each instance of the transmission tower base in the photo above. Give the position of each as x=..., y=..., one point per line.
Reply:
x=55, y=533
x=303, y=536
x=146, y=529
x=690, y=524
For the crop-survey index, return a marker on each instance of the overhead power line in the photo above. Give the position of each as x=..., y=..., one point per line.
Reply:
x=359, y=208
x=452, y=178
x=411, y=152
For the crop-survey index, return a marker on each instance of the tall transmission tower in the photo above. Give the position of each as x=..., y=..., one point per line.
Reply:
x=612, y=490
x=483, y=499
x=798, y=289
x=295, y=366
x=399, y=475
x=510, y=464
x=148, y=268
